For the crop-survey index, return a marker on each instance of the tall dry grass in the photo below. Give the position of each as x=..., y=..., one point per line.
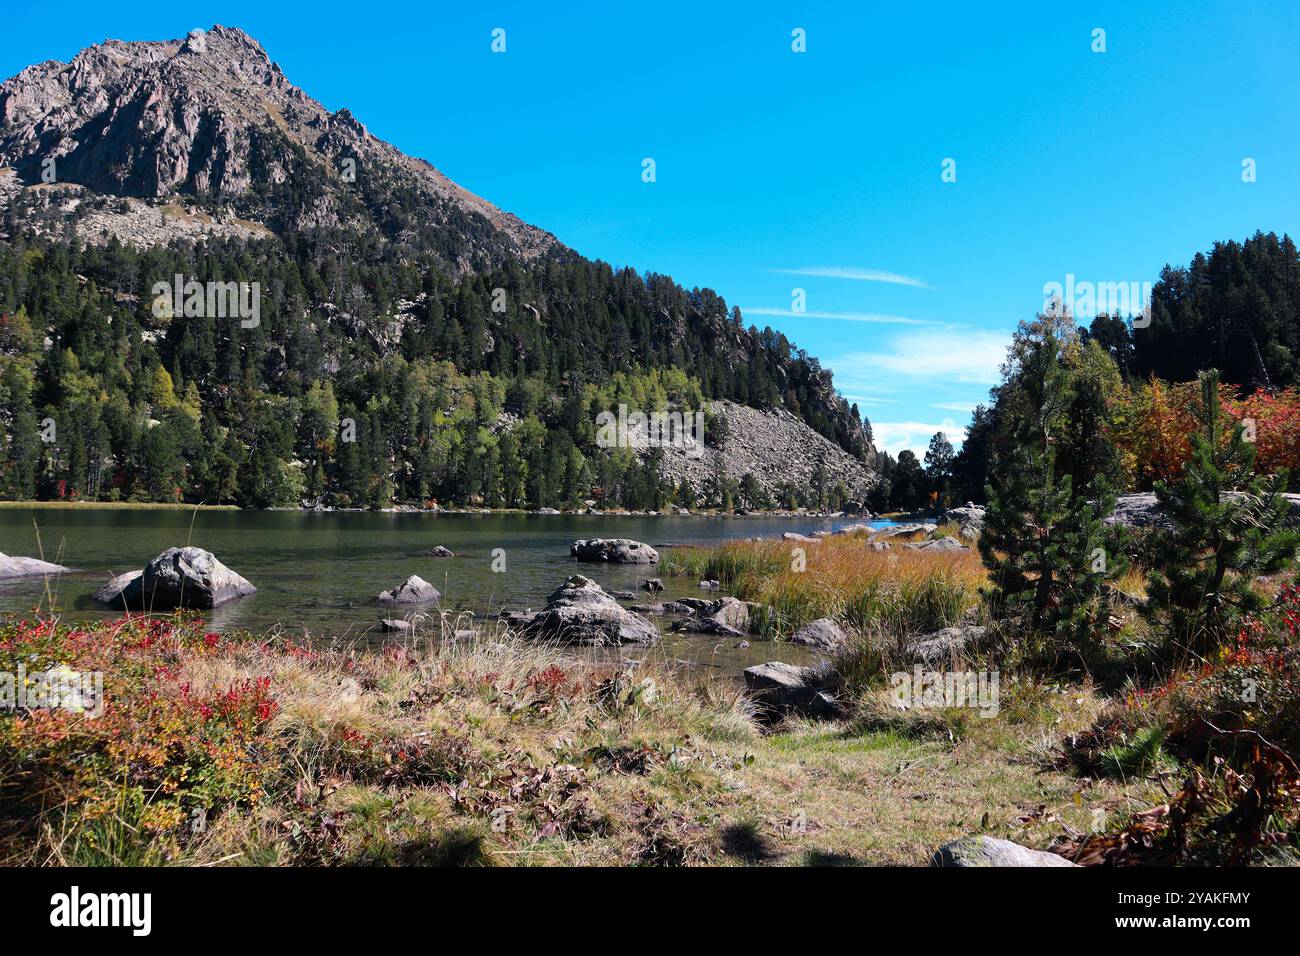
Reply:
x=885, y=593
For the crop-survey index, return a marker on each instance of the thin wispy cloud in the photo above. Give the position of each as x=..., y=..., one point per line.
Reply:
x=873, y=400
x=879, y=318
x=856, y=274
x=954, y=406
x=972, y=357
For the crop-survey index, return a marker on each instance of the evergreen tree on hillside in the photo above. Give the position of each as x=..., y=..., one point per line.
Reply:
x=1201, y=583
x=1236, y=310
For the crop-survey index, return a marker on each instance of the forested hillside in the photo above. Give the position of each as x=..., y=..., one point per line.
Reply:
x=447, y=399
x=1236, y=309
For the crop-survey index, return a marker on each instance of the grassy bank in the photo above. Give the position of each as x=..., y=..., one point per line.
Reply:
x=235, y=750
x=1212, y=741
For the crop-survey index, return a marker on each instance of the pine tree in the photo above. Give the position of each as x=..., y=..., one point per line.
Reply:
x=1045, y=541
x=1228, y=528
x=938, y=466
x=905, y=481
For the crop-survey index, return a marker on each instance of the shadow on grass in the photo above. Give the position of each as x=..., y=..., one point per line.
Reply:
x=746, y=842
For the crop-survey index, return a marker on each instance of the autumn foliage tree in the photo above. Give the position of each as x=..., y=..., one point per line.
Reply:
x=1228, y=528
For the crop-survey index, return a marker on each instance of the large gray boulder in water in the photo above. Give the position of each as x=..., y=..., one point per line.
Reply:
x=728, y=617
x=414, y=590
x=581, y=612
x=27, y=567
x=979, y=851
x=614, y=550
x=179, y=577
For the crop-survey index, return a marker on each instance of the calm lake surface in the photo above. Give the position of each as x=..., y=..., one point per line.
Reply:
x=318, y=574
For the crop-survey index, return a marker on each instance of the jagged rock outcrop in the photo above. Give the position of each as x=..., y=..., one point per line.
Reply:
x=211, y=118
x=414, y=590
x=581, y=612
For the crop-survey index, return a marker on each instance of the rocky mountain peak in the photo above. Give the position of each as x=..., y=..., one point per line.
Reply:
x=211, y=118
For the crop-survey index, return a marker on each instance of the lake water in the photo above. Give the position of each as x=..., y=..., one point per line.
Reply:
x=318, y=574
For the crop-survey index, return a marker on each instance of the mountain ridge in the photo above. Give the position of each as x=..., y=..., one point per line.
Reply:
x=212, y=118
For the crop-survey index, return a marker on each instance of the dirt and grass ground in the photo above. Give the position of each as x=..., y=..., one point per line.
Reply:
x=227, y=750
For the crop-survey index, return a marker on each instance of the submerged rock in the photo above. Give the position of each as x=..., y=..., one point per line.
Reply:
x=123, y=591
x=580, y=612
x=666, y=607
x=27, y=567
x=439, y=552
x=414, y=590
x=395, y=625
x=708, y=626
x=614, y=550
x=979, y=851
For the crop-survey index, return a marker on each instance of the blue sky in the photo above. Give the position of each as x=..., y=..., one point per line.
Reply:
x=819, y=170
